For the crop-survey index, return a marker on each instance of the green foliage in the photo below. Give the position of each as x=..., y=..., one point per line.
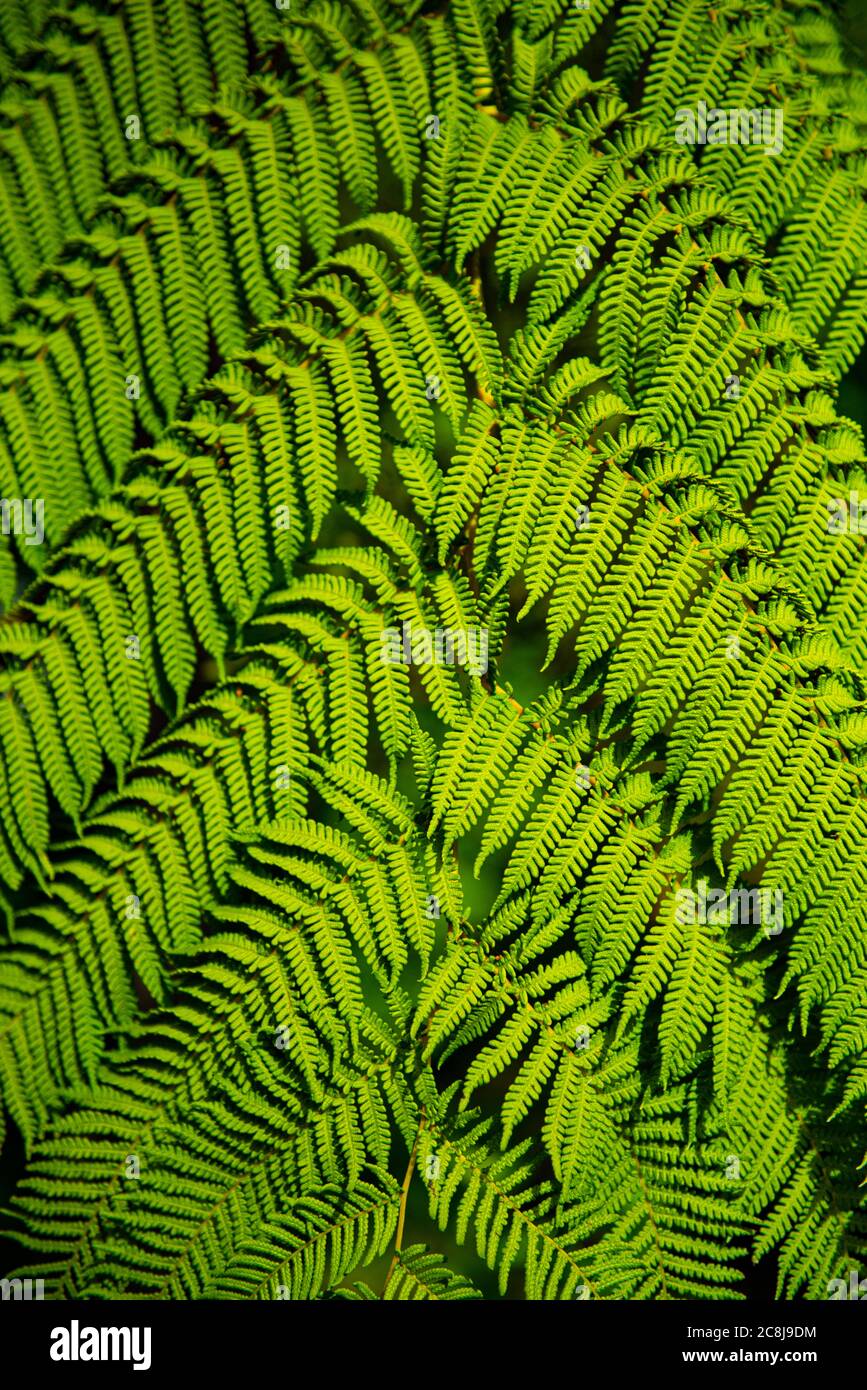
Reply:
x=422, y=628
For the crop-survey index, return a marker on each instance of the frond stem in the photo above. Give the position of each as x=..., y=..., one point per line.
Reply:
x=404, y=1194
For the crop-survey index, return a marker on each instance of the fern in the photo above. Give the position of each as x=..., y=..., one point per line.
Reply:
x=432, y=729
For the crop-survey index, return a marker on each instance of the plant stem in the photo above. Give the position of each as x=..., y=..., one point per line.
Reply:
x=404, y=1193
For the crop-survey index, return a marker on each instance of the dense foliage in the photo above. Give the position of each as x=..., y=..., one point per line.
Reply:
x=329, y=330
